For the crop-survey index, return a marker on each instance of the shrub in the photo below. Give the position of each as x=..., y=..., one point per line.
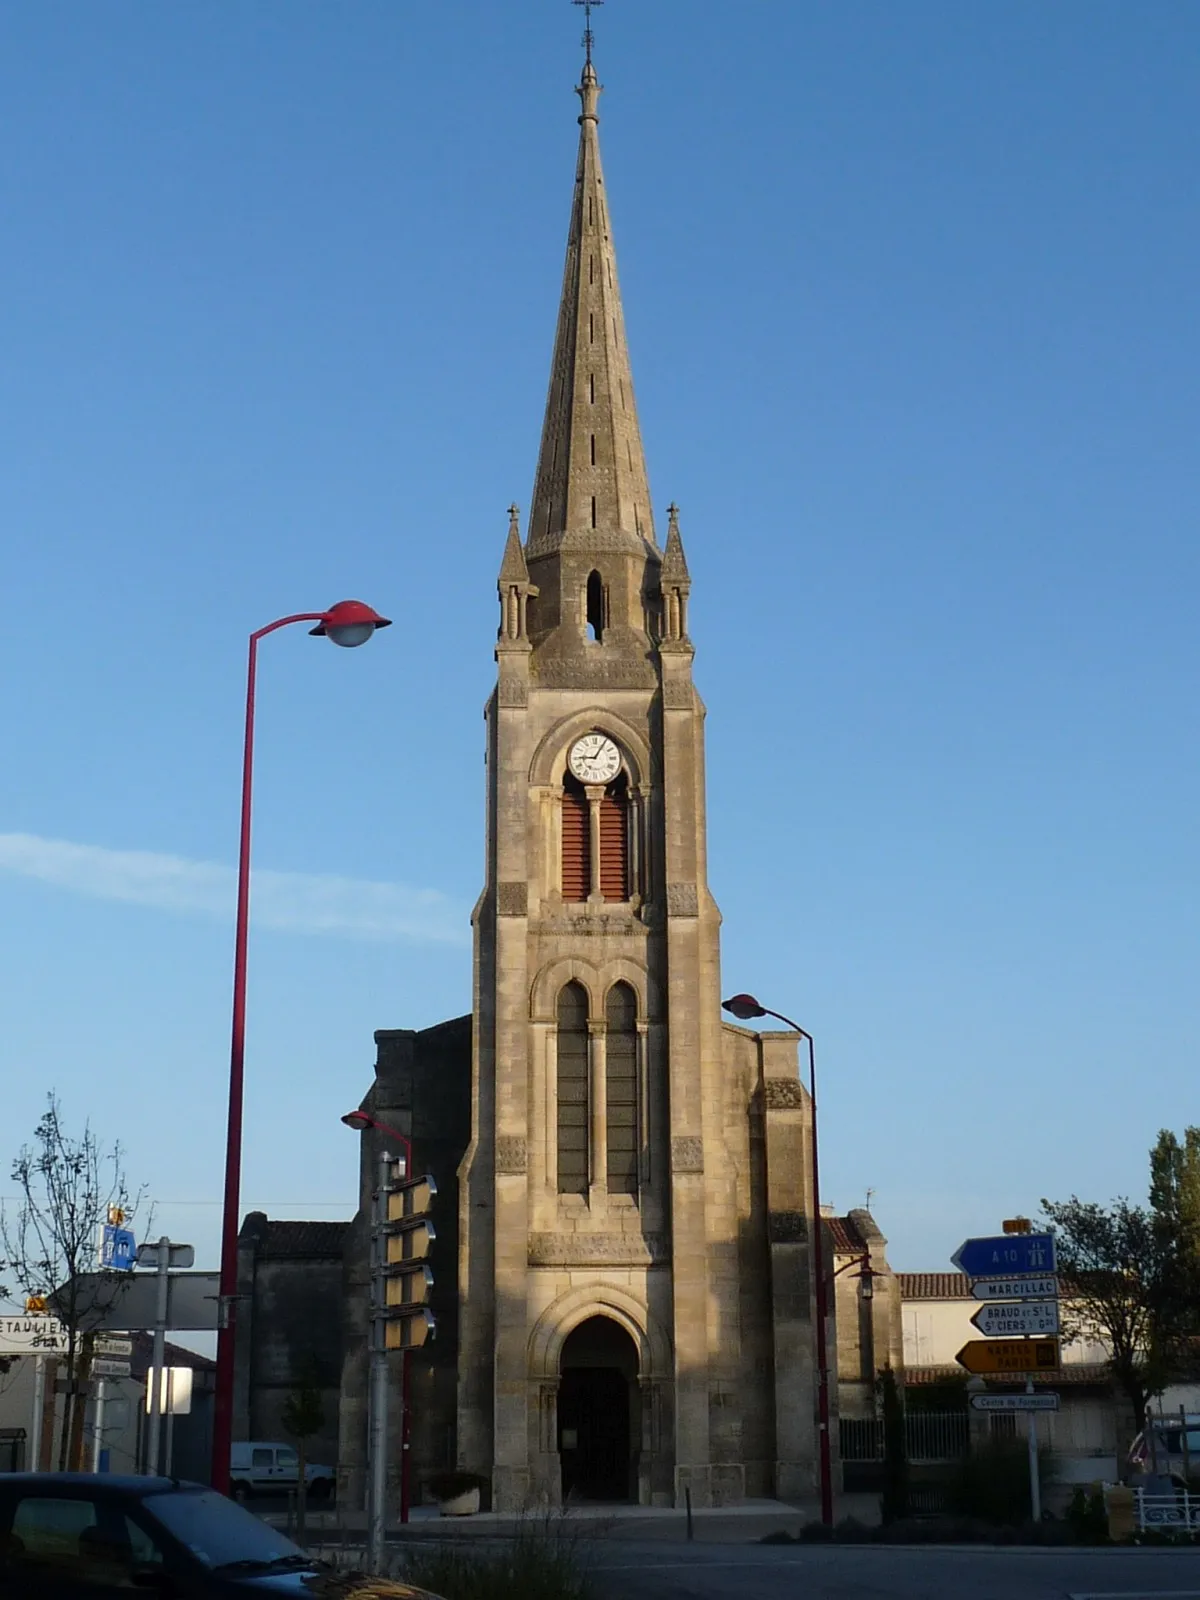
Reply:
x=545, y=1560
x=1087, y=1517
x=992, y=1483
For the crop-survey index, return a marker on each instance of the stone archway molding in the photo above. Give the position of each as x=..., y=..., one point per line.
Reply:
x=596, y=979
x=575, y=1306
x=544, y=768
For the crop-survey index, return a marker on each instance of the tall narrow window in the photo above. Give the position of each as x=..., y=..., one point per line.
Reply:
x=621, y=1085
x=573, y=1100
x=595, y=598
x=576, y=842
x=614, y=840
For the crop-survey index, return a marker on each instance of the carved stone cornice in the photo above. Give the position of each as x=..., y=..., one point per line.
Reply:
x=586, y=1249
x=510, y=1154
x=687, y=1154
x=783, y=1094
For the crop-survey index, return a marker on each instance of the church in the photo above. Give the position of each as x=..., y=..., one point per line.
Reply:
x=623, y=1282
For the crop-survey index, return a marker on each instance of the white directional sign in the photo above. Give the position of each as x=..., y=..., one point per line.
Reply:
x=107, y=1344
x=1013, y=1319
x=1030, y=1288
x=110, y=1367
x=1014, y=1402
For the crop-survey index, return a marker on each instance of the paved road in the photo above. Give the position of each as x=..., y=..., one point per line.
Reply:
x=781, y=1572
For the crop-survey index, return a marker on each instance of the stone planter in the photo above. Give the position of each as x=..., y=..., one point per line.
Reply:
x=460, y=1505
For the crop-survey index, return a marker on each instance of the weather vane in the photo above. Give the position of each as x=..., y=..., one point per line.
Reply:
x=589, y=37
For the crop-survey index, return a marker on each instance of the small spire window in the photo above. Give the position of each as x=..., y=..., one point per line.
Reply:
x=595, y=598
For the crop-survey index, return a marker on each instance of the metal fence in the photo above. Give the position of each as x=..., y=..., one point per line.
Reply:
x=1179, y=1511
x=929, y=1436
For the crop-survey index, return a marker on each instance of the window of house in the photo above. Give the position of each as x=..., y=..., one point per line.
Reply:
x=573, y=1097
x=595, y=597
x=621, y=1084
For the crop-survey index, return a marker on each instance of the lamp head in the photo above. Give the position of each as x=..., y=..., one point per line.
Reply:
x=744, y=1007
x=358, y=1120
x=350, y=623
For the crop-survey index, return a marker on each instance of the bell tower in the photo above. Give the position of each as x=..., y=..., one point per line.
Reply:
x=605, y=1197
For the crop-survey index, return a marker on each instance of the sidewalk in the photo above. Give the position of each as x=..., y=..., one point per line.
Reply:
x=741, y=1524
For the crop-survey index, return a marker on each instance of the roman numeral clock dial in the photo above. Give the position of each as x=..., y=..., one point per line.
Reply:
x=594, y=759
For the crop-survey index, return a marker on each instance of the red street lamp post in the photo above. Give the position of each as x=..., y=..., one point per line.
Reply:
x=745, y=1008
x=361, y=1120
x=349, y=623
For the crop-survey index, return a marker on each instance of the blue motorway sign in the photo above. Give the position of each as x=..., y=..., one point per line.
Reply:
x=1007, y=1255
x=118, y=1249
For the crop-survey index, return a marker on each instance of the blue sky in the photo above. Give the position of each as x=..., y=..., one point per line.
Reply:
x=911, y=299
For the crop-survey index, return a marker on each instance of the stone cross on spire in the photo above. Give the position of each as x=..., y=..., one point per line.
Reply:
x=591, y=475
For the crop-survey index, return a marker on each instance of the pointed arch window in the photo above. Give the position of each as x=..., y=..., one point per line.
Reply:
x=596, y=607
x=573, y=1096
x=621, y=1089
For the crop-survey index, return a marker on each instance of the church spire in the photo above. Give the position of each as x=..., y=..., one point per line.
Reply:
x=591, y=475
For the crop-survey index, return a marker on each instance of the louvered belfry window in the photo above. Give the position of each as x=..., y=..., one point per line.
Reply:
x=573, y=1098
x=621, y=1085
x=576, y=843
x=614, y=841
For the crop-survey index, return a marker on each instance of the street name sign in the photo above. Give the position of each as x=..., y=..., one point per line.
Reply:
x=1006, y=1255
x=110, y=1367
x=1014, y=1402
x=32, y=1336
x=107, y=1344
x=1031, y=1288
x=1011, y=1320
x=996, y=1356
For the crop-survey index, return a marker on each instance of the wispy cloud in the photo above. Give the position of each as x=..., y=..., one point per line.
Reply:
x=294, y=902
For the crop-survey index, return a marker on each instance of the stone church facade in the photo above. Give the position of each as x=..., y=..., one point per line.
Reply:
x=623, y=1284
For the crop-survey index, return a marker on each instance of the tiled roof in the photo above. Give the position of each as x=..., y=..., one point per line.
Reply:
x=935, y=1286
x=318, y=1240
x=847, y=1241
x=177, y=1356
x=1081, y=1372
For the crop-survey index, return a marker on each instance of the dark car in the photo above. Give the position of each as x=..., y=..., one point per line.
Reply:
x=78, y=1536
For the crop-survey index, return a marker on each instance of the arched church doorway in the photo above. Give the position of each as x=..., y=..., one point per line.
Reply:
x=597, y=1412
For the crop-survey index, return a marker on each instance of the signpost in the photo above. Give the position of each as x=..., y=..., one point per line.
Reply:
x=1014, y=1402
x=999, y=1357
x=1013, y=1320
x=1015, y=1275
x=1006, y=1255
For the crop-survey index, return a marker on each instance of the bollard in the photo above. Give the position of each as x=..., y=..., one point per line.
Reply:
x=687, y=1500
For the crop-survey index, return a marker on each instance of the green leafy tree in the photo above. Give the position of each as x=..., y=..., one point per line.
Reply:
x=1115, y=1263
x=303, y=1416
x=1175, y=1204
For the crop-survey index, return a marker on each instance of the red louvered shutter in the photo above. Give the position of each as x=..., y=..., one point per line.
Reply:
x=576, y=855
x=614, y=829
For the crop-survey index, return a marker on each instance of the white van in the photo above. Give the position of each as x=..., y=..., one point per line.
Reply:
x=267, y=1468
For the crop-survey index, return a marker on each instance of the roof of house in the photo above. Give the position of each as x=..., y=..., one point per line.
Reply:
x=847, y=1240
x=143, y=1356
x=1081, y=1372
x=315, y=1240
x=935, y=1286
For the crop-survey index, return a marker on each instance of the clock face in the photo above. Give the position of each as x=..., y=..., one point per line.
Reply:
x=594, y=759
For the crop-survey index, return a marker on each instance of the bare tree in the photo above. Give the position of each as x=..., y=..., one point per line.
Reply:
x=68, y=1187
